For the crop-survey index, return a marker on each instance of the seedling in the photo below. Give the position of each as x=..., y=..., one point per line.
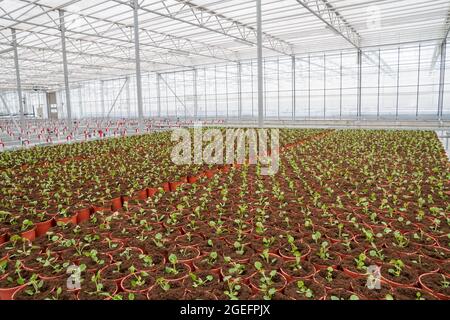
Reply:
x=147, y=260
x=397, y=269
x=316, y=236
x=303, y=290
x=139, y=279
x=36, y=285
x=163, y=284
x=240, y=247
x=329, y=275
x=212, y=258
x=233, y=287
x=158, y=240
x=323, y=251
x=173, y=269
x=361, y=262
x=199, y=282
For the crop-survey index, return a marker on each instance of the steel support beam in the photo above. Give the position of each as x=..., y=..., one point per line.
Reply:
x=330, y=16
x=239, y=82
x=324, y=11
x=206, y=19
x=6, y=50
x=80, y=102
x=19, y=83
x=398, y=85
x=260, y=64
x=359, y=85
x=195, y=75
x=158, y=93
x=442, y=80
x=117, y=98
x=102, y=97
x=419, y=69
x=140, y=104
x=294, y=88
x=173, y=92
x=66, y=71
x=128, y=97
x=438, y=51
x=18, y=127
x=340, y=85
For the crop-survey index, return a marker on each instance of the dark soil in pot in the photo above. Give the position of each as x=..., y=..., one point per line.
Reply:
x=306, y=290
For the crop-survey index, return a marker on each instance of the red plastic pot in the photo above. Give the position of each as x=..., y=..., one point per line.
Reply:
x=256, y=277
x=305, y=254
x=217, y=271
x=352, y=274
x=190, y=262
x=83, y=215
x=116, y=281
x=151, y=192
x=8, y=293
x=141, y=195
x=43, y=227
x=73, y=219
x=210, y=173
x=142, y=291
x=437, y=294
x=51, y=278
x=30, y=234
x=166, y=187
x=99, y=208
x=116, y=203
x=3, y=238
x=192, y=179
x=175, y=185
x=395, y=284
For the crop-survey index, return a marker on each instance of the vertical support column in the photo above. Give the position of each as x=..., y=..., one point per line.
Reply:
x=158, y=93
x=102, y=97
x=359, y=85
x=398, y=84
x=206, y=92
x=184, y=95
x=442, y=80
x=253, y=89
x=18, y=81
x=239, y=81
x=195, y=95
x=294, y=89
x=175, y=93
x=260, y=65
x=128, y=96
x=278, y=88
x=379, y=83
x=340, y=86
x=66, y=71
x=80, y=102
x=265, y=87
x=140, y=104
x=226, y=90
x=309, y=86
x=324, y=85
x=418, y=81
x=215, y=90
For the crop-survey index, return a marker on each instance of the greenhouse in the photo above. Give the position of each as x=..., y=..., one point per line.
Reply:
x=224, y=150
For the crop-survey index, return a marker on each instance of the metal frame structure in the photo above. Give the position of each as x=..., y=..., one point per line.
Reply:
x=102, y=40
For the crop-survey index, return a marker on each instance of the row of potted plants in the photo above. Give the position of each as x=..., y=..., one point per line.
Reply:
x=314, y=231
